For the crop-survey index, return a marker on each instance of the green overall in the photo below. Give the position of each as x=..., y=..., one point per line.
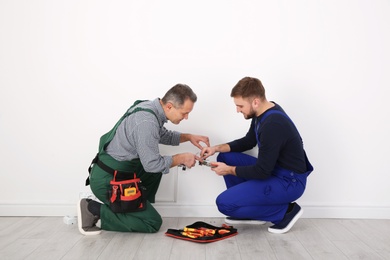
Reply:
x=146, y=221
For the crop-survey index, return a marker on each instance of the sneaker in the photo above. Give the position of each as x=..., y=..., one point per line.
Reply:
x=288, y=221
x=236, y=221
x=86, y=220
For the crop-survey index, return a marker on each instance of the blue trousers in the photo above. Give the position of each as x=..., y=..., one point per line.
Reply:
x=267, y=199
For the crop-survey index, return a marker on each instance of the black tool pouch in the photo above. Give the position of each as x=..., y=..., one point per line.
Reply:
x=126, y=195
x=202, y=232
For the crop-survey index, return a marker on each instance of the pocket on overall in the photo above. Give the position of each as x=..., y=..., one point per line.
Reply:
x=126, y=195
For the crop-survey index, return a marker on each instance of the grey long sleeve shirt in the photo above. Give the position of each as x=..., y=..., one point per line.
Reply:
x=139, y=136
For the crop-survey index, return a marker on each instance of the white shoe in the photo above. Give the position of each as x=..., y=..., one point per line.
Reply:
x=235, y=221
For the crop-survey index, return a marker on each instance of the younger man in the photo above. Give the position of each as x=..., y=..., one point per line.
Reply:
x=263, y=188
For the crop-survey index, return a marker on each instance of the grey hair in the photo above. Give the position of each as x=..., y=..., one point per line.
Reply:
x=178, y=94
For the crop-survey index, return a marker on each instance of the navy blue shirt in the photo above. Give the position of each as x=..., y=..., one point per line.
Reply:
x=281, y=144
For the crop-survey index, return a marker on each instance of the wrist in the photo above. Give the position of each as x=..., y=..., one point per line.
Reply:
x=233, y=170
x=177, y=159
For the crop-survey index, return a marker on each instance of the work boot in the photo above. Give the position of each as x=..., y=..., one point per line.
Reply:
x=86, y=220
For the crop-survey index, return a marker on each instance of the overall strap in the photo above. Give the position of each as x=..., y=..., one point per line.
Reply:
x=107, y=138
x=270, y=112
x=266, y=114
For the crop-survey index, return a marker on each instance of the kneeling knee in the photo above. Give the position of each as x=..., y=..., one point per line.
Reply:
x=155, y=224
x=222, y=206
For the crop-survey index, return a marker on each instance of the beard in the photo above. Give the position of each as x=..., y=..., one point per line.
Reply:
x=251, y=114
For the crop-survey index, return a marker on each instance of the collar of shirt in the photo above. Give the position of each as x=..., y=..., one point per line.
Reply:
x=160, y=111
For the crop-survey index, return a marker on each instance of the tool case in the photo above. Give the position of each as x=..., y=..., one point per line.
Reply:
x=202, y=232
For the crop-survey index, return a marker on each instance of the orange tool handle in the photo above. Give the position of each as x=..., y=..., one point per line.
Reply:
x=189, y=234
x=223, y=231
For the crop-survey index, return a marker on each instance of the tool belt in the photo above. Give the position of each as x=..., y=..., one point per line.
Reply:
x=120, y=175
x=202, y=232
x=126, y=196
x=126, y=193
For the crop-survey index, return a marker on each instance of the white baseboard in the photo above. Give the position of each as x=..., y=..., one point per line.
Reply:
x=175, y=210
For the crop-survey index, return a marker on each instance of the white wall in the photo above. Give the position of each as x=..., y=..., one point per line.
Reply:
x=69, y=69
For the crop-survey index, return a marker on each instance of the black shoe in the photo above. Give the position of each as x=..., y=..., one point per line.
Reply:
x=288, y=221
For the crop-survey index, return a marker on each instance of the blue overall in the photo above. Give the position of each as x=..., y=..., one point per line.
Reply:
x=257, y=199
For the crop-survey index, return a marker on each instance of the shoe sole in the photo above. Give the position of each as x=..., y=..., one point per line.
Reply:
x=80, y=223
x=245, y=222
x=289, y=226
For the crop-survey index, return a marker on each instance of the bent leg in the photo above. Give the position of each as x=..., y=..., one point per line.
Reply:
x=260, y=199
x=147, y=221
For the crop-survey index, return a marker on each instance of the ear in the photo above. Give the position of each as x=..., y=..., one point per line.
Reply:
x=256, y=102
x=169, y=105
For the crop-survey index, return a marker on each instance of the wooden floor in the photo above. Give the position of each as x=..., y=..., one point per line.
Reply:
x=334, y=239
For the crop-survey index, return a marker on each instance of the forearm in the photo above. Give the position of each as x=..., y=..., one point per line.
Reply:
x=184, y=137
x=169, y=137
x=231, y=170
x=222, y=148
x=177, y=160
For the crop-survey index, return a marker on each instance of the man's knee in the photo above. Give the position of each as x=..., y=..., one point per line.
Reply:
x=155, y=224
x=222, y=204
x=221, y=157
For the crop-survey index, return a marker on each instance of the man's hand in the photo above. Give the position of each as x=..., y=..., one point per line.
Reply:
x=222, y=169
x=206, y=152
x=196, y=139
x=187, y=159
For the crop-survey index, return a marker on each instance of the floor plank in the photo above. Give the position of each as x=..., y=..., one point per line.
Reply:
x=16, y=228
x=122, y=246
x=316, y=242
x=49, y=238
x=252, y=240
